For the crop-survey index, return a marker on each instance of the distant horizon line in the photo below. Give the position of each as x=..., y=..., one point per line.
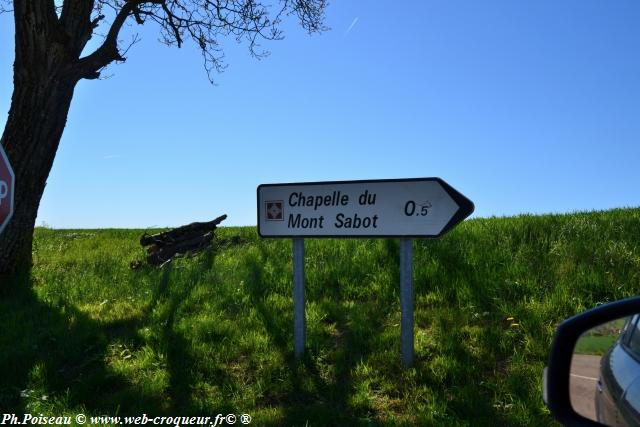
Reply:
x=45, y=226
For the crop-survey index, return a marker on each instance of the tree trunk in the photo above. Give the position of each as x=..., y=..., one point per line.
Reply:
x=38, y=114
x=43, y=86
x=31, y=136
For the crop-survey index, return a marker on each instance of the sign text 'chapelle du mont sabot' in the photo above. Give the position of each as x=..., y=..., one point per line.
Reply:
x=417, y=207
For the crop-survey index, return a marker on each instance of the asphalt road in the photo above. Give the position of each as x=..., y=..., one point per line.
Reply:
x=585, y=370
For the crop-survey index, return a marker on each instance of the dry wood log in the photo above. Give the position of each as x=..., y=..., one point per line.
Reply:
x=193, y=237
x=185, y=232
x=166, y=252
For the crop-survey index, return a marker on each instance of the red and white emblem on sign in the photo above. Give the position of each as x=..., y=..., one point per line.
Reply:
x=275, y=210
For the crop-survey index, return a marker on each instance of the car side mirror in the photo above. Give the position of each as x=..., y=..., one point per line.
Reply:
x=593, y=375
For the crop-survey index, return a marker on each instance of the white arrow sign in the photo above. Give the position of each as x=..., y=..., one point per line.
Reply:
x=417, y=207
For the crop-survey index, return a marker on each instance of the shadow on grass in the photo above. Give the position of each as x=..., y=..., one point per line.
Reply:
x=315, y=398
x=50, y=351
x=476, y=338
x=181, y=358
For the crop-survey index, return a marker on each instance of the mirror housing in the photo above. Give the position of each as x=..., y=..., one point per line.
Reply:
x=556, y=388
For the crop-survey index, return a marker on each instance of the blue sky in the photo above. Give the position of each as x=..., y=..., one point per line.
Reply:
x=524, y=107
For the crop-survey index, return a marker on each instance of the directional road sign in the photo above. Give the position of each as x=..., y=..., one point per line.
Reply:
x=415, y=207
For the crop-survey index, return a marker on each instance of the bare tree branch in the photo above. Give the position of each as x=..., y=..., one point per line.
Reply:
x=89, y=67
x=5, y=6
x=172, y=24
x=205, y=22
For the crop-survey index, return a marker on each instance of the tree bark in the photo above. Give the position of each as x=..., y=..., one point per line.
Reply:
x=36, y=120
x=42, y=92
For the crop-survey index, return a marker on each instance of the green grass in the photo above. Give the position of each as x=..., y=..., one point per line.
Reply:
x=597, y=341
x=213, y=333
x=595, y=345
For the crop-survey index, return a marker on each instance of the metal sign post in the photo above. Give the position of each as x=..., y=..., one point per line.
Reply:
x=299, y=320
x=404, y=208
x=406, y=301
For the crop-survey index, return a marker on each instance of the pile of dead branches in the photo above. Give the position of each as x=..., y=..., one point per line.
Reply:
x=191, y=238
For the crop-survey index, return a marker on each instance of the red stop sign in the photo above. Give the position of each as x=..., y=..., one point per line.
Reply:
x=7, y=186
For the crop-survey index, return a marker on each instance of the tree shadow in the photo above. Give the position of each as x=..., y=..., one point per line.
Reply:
x=51, y=350
x=179, y=349
x=473, y=334
x=313, y=396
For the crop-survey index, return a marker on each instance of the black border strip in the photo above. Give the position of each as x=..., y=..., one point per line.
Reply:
x=466, y=206
x=465, y=209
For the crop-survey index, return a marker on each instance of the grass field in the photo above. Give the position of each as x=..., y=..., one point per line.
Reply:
x=599, y=340
x=83, y=333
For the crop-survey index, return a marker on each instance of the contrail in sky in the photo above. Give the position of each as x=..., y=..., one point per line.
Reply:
x=353, y=23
